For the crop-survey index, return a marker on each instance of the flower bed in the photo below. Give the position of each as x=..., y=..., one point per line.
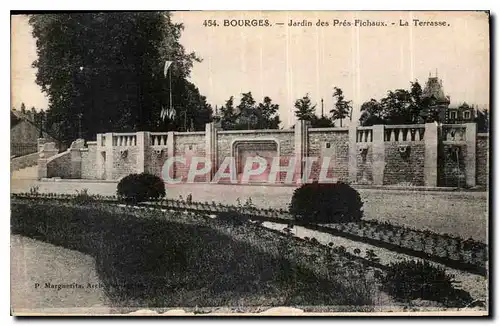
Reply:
x=452, y=251
x=152, y=257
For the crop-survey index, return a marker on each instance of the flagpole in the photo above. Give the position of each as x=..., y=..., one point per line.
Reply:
x=170, y=88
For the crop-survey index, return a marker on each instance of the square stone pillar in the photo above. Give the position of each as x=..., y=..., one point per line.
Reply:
x=108, y=164
x=143, y=143
x=301, y=142
x=431, y=140
x=76, y=163
x=470, y=157
x=170, y=144
x=353, y=154
x=46, y=152
x=378, y=154
x=211, y=148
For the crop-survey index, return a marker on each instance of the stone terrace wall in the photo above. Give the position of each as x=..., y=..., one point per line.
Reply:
x=59, y=166
x=482, y=156
x=283, y=138
x=418, y=155
x=189, y=145
x=404, y=169
x=332, y=143
x=89, y=162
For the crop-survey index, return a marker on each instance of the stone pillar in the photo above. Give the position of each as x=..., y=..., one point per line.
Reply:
x=353, y=154
x=108, y=165
x=301, y=141
x=40, y=142
x=46, y=152
x=470, y=157
x=378, y=154
x=76, y=158
x=211, y=148
x=170, y=151
x=431, y=140
x=143, y=143
x=100, y=148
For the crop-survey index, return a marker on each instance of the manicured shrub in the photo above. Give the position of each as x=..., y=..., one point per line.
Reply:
x=409, y=280
x=136, y=188
x=326, y=203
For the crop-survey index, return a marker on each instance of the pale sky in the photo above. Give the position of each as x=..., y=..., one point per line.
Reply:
x=285, y=62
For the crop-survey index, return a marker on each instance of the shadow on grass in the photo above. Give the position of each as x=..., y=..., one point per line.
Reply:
x=152, y=262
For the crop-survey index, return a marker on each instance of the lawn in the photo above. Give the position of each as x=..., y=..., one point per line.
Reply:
x=170, y=259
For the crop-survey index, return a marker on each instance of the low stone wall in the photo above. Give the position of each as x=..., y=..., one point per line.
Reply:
x=59, y=165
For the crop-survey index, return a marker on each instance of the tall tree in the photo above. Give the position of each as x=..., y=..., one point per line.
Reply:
x=342, y=108
x=372, y=113
x=108, y=67
x=228, y=115
x=267, y=114
x=304, y=110
x=247, y=112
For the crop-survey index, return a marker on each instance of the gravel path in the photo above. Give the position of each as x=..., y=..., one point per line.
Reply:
x=39, y=268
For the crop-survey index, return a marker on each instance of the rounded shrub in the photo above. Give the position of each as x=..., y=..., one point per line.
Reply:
x=136, y=188
x=326, y=203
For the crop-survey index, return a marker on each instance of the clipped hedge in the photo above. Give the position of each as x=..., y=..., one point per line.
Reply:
x=326, y=203
x=136, y=188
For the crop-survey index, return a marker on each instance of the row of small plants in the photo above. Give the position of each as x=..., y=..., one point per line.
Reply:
x=442, y=246
x=409, y=279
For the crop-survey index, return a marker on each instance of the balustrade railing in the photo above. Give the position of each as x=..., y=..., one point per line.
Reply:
x=453, y=132
x=125, y=140
x=158, y=138
x=404, y=133
x=364, y=135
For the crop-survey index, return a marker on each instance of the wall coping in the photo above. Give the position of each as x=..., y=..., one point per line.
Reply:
x=188, y=133
x=332, y=129
x=119, y=134
x=483, y=134
x=254, y=131
x=52, y=158
x=404, y=126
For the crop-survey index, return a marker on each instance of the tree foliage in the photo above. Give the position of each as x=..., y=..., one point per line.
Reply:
x=249, y=115
x=400, y=107
x=304, y=109
x=108, y=67
x=342, y=108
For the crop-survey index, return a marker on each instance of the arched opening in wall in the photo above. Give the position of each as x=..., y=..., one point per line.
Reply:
x=244, y=150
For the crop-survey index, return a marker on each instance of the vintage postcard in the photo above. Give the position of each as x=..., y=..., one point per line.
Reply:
x=250, y=162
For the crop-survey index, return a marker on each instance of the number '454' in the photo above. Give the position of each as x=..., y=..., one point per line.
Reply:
x=209, y=23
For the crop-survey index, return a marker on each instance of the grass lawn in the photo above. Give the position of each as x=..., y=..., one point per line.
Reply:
x=166, y=259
